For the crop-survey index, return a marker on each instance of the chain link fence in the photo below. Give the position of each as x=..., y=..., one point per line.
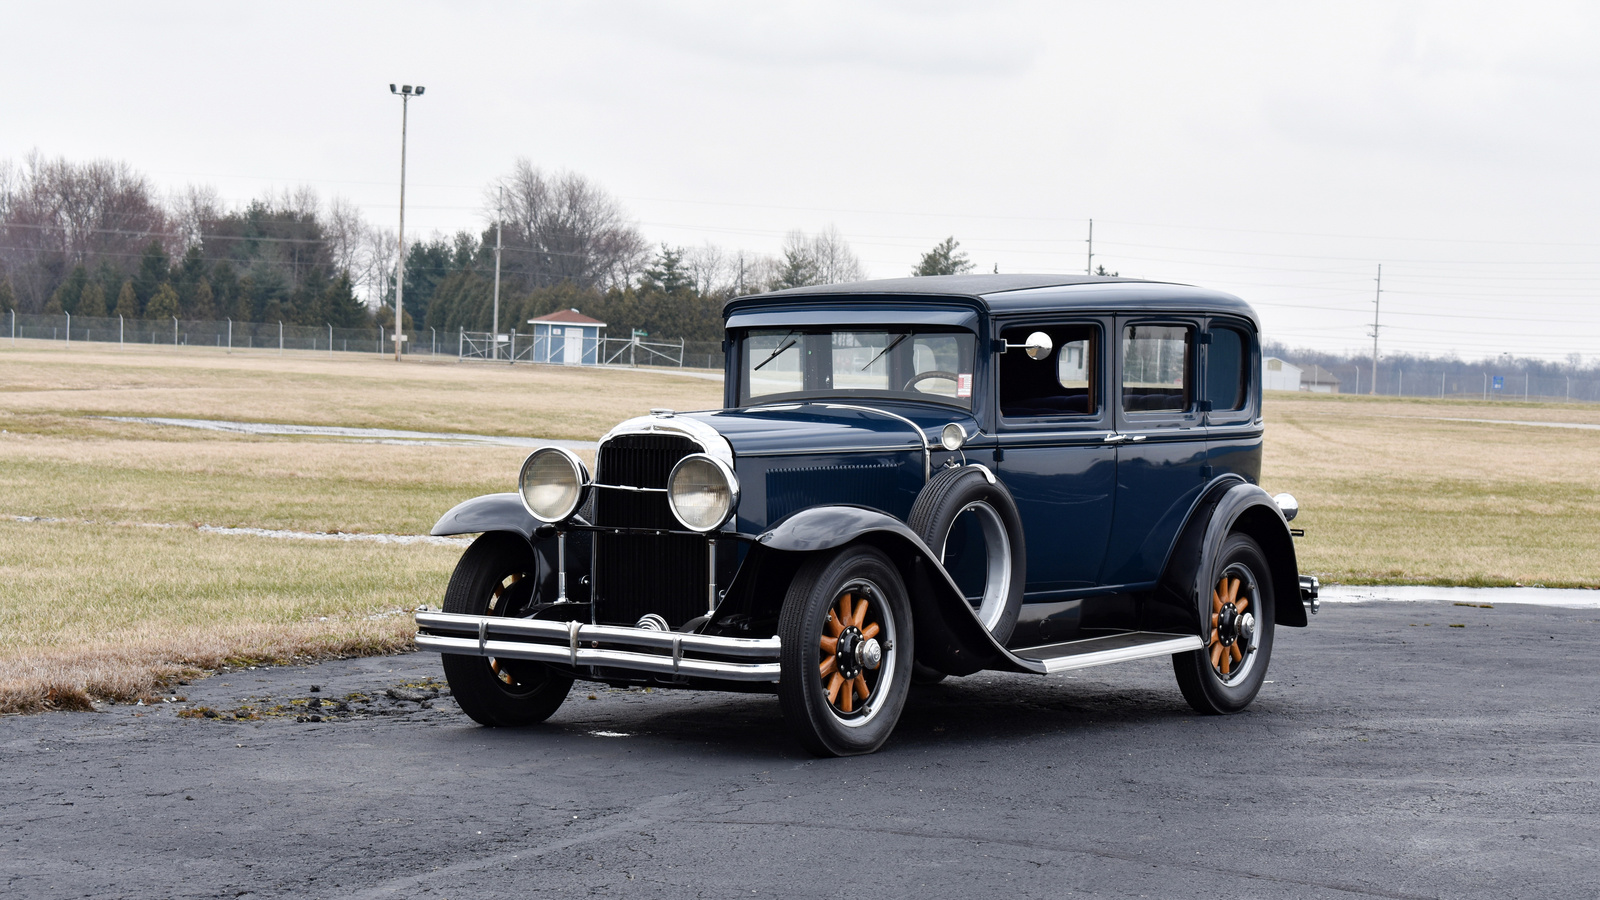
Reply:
x=1481, y=385
x=280, y=337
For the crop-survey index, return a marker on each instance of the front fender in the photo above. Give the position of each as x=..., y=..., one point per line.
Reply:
x=949, y=635
x=1224, y=509
x=491, y=512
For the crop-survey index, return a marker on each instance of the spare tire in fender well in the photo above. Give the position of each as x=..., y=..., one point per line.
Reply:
x=949, y=636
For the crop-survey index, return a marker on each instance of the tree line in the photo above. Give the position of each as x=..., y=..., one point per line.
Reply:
x=97, y=239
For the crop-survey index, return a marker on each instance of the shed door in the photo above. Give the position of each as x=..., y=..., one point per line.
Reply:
x=572, y=352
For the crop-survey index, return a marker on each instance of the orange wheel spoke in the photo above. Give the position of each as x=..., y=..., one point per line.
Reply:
x=1216, y=600
x=847, y=700
x=1235, y=651
x=830, y=644
x=846, y=613
x=834, y=684
x=1233, y=589
x=1216, y=654
x=829, y=666
x=1215, y=617
x=1227, y=661
x=1216, y=637
x=1244, y=602
x=833, y=626
x=869, y=632
x=861, y=613
x=860, y=686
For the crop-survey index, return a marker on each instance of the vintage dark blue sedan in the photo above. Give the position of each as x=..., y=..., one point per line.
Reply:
x=910, y=479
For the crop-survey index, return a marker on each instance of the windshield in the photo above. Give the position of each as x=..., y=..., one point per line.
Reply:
x=826, y=364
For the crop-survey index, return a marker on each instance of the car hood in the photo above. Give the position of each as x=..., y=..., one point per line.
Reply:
x=791, y=428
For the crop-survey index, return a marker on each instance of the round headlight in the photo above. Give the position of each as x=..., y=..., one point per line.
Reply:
x=553, y=483
x=702, y=492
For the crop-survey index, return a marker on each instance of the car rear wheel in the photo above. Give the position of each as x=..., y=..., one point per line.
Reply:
x=1225, y=676
x=497, y=577
x=847, y=651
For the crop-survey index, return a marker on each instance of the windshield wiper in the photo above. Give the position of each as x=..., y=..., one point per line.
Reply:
x=892, y=344
x=783, y=345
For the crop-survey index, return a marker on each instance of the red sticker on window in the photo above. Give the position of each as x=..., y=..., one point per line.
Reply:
x=964, y=385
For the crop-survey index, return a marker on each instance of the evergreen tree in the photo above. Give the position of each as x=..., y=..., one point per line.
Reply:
x=8, y=298
x=93, y=301
x=944, y=259
x=204, y=306
x=154, y=270
x=127, y=302
x=67, y=293
x=225, y=291
x=341, y=307
x=667, y=273
x=186, y=278
x=798, y=268
x=164, y=305
x=109, y=279
x=1101, y=270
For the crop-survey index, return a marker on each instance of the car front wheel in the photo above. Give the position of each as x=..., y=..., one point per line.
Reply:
x=497, y=577
x=1237, y=628
x=847, y=652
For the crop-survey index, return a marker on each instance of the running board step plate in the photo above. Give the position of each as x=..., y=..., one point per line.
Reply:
x=1113, y=648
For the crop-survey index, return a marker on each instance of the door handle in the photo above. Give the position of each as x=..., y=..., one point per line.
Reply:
x=1124, y=438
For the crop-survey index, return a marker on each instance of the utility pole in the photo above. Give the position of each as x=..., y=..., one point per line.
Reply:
x=1376, y=297
x=405, y=93
x=1088, y=268
x=499, y=217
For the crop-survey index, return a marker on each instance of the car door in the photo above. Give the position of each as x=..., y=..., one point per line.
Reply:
x=1160, y=440
x=1054, y=456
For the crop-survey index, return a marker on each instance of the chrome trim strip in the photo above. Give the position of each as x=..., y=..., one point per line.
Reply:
x=629, y=487
x=621, y=659
x=562, y=633
x=757, y=454
x=1122, y=654
x=927, y=450
x=711, y=440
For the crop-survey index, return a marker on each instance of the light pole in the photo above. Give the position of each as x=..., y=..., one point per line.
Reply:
x=405, y=92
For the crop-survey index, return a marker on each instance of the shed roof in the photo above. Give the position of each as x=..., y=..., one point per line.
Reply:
x=566, y=317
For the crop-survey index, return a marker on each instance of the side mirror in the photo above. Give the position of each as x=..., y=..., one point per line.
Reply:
x=1038, y=345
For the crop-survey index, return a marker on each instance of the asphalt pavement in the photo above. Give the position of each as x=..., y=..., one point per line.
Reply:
x=1392, y=754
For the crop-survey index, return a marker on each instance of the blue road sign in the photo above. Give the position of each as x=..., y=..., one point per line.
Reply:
x=1499, y=382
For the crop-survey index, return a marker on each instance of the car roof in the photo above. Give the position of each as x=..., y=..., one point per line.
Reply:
x=1012, y=294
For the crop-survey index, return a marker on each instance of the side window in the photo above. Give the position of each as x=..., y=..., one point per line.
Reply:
x=1228, y=369
x=1157, y=374
x=1065, y=383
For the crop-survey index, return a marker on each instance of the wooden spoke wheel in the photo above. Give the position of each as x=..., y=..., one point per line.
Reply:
x=1236, y=625
x=1231, y=644
x=497, y=577
x=851, y=653
x=845, y=666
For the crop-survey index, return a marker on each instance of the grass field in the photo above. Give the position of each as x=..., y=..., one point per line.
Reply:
x=100, y=605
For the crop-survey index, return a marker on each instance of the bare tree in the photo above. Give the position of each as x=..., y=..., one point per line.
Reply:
x=823, y=258
x=563, y=227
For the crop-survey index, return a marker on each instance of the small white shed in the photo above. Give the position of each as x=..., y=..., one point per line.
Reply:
x=1277, y=375
x=567, y=337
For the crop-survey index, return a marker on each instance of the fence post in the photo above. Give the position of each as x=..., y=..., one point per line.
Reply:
x=1486, y=387
x=13, y=327
x=1525, y=377
x=69, y=330
x=174, y=331
x=119, y=331
x=280, y=337
x=230, y=335
x=680, y=353
x=380, y=340
x=461, y=343
x=330, y=340
x=495, y=340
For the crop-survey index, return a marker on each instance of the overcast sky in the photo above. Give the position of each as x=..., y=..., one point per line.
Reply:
x=1280, y=151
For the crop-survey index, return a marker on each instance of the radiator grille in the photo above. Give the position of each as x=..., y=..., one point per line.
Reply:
x=635, y=574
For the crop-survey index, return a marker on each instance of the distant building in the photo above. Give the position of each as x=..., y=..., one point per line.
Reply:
x=1277, y=375
x=567, y=337
x=1318, y=380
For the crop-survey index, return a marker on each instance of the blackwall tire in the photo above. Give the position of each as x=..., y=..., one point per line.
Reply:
x=825, y=629
x=966, y=490
x=1225, y=677
x=498, y=693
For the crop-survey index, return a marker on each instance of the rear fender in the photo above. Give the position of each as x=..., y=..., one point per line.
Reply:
x=949, y=635
x=1224, y=509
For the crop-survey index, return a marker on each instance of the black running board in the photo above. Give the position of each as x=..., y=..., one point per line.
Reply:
x=1048, y=659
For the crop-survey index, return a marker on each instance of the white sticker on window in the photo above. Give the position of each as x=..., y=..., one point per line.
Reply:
x=964, y=385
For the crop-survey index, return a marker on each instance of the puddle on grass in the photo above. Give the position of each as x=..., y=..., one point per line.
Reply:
x=376, y=435
x=267, y=532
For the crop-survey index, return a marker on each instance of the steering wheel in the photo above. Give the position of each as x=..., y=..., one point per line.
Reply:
x=926, y=376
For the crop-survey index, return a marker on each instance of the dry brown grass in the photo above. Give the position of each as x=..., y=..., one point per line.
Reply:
x=359, y=391
x=111, y=612
x=1394, y=493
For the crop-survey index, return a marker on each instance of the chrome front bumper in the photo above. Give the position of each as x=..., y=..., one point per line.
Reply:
x=579, y=644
